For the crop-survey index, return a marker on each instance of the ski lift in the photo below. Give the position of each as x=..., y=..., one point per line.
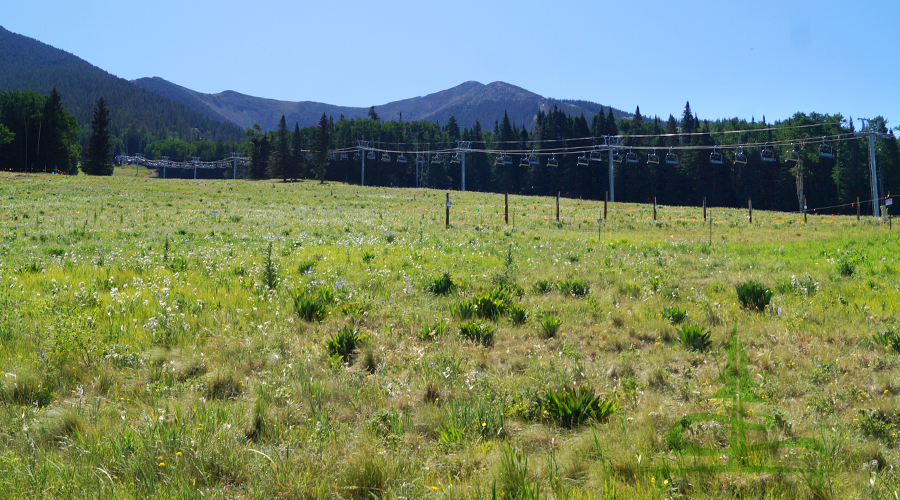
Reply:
x=356, y=156
x=401, y=158
x=457, y=158
x=533, y=159
x=524, y=162
x=506, y=159
x=583, y=159
x=309, y=155
x=766, y=153
x=740, y=158
x=552, y=163
x=671, y=158
x=715, y=157
x=331, y=156
x=385, y=157
x=825, y=150
x=370, y=155
x=437, y=158
x=617, y=158
x=793, y=155
x=631, y=157
x=344, y=156
x=597, y=154
x=653, y=158
x=420, y=158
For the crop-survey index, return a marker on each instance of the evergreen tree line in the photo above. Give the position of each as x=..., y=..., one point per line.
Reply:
x=777, y=185
x=37, y=134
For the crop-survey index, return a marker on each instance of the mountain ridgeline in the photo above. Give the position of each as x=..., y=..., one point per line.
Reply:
x=27, y=64
x=468, y=102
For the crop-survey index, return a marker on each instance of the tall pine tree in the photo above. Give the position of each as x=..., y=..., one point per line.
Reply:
x=323, y=144
x=99, y=155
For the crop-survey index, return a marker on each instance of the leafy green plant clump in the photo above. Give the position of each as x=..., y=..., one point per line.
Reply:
x=442, y=285
x=477, y=333
x=463, y=310
x=550, y=326
x=542, y=287
x=888, y=340
x=695, y=338
x=309, y=308
x=518, y=315
x=345, y=343
x=570, y=407
x=753, y=296
x=433, y=331
x=573, y=287
x=674, y=314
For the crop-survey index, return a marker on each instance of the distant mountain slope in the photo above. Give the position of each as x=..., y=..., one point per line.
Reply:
x=467, y=102
x=26, y=63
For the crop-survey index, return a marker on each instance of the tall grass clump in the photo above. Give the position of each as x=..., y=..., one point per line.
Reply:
x=515, y=481
x=518, y=315
x=463, y=310
x=542, y=286
x=694, y=338
x=269, y=272
x=887, y=340
x=753, y=296
x=433, y=331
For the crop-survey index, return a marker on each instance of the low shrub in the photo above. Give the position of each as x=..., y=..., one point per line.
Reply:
x=309, y=308
x=888, y=340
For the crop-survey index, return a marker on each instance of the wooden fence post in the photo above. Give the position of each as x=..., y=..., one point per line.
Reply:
x=704, y=208
x=506, y=209
x=448, y=209
x=654, y=209
x=605, y=200
x=750, y=206
x=857, y=208
x=557, y=206
x=804, y=209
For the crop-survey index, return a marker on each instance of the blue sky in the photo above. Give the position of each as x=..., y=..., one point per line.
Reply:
x=728, y=58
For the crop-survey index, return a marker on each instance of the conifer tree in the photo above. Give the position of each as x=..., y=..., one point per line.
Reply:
x=99, y=155
x=323, y=144
x=281, y=163
x=296, y=152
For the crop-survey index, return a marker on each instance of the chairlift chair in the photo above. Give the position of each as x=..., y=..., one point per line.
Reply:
x=385, y=157
x=533, y=159
x=793, y=155
x=457, y=158
x=370, y=155
x=344, y=156
x=420, y=158
x=671, y=158
x=740, y=158
x=401, y=158
x=631, y=157
x=356, y=156
x=583, y=160
x=552, y=163
x=597, y=154
x=506, y=159
x=617, y=158
x=716, y=157
x=309, y=155
x=766, y=153
x=524, y=162
x=437, y=158
x=331, y=156
x=653, y=158
x=825, y=150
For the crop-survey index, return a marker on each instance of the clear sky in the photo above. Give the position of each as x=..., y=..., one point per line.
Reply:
x=728, y=58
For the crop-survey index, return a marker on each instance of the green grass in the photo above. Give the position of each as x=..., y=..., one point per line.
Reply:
x=151, y=346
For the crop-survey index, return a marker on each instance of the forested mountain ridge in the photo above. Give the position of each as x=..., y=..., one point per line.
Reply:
x=28, y=64
x=467, y=102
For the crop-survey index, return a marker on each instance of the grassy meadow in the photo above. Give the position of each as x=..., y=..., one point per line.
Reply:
x=233, y=339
